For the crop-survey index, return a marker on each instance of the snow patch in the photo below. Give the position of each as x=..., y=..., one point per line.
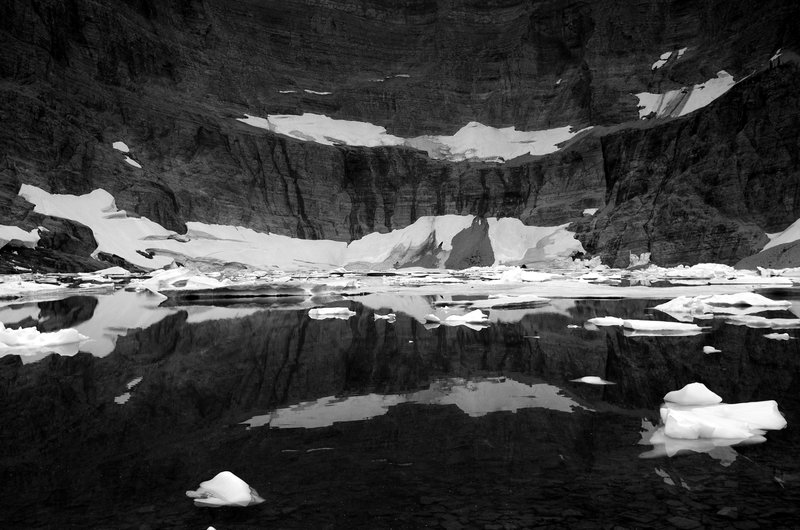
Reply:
x=661, y=61
x=133, y=162
x=121, y=146
x=684, y=100
x=473, y=141
x=17, y=237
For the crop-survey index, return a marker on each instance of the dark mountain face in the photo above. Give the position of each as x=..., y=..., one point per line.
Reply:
x=170, y=78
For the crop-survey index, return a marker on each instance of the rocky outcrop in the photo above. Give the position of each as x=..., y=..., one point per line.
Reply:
x=169, y=79
x=706, y=187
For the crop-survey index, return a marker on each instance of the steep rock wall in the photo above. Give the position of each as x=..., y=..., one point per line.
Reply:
x=705, y=187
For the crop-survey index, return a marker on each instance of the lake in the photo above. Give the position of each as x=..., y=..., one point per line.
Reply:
x=365, y=423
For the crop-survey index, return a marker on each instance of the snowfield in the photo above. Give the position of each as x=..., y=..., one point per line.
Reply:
x=473, y=141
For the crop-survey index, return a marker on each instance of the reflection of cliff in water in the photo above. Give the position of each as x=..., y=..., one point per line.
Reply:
x=79, y=457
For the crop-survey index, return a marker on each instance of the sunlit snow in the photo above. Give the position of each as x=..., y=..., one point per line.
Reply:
x=682, y=101
x=16, y=236
x=474, y=140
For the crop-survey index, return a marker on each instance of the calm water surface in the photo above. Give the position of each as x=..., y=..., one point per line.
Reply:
x=368, y=424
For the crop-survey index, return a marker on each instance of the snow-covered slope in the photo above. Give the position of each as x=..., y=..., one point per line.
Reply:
x=473, y=141
x=430, y=238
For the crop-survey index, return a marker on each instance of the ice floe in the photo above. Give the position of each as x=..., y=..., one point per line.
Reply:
x=633, y=327
x=695, y=419
x=225, y=489
x=687, y=308
x=592, y=380
x=32, y=344
x=684, y=100
x=693, y=394
x=754, y=321
x=777, y=336
x=324, y=313
x=710, y=349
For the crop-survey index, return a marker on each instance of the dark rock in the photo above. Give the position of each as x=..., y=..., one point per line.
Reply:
x=471, y=247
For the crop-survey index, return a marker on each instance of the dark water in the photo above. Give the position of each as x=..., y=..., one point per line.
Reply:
x=567, y=457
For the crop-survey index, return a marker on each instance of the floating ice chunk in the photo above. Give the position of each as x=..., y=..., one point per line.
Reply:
x=752, y=321
x=33, y=338
x=693, y=394
x=121, y=146
x=18, y=237
x=777, y=336
x=133, y=162
x=686, y=308
x=592, y=380
x=390, y=317
x=322, y=313
x=659, y=328
x=710, y=349
x=432, y=318
x=473, y=317
x=573, y=326
x=508, y=302
x=606, y=321
x=225, y=489
x=178, y=279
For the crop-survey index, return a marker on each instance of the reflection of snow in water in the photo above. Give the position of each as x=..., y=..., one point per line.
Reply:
x=475, y=398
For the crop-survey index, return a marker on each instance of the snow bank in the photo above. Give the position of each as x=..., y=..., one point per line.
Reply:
x=474, y=140
x=114, y=231
x=684, y=100
x=512, y=241
x=211, y=244
x=16, y=236
x=225, y=489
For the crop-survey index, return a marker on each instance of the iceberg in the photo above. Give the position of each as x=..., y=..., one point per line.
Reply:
x=592, y=380
x=225, y=489
x=693, y=394
x=323, y=313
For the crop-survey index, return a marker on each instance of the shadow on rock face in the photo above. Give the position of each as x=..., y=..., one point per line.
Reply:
x=471, y=247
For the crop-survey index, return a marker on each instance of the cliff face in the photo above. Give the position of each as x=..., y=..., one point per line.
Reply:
x=707, y=187
x=169, y=78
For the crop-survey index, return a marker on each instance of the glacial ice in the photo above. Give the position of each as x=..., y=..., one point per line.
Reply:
x=31, y=343
x=687, y=308
x=710, y=349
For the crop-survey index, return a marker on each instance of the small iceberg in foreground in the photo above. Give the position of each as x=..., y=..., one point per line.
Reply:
x=695, y=419
x=225, y=489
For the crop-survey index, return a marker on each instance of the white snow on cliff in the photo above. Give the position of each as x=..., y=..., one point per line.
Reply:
x=684, y=100
x=134, y=239
x=16, y=236
x=473, y=141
